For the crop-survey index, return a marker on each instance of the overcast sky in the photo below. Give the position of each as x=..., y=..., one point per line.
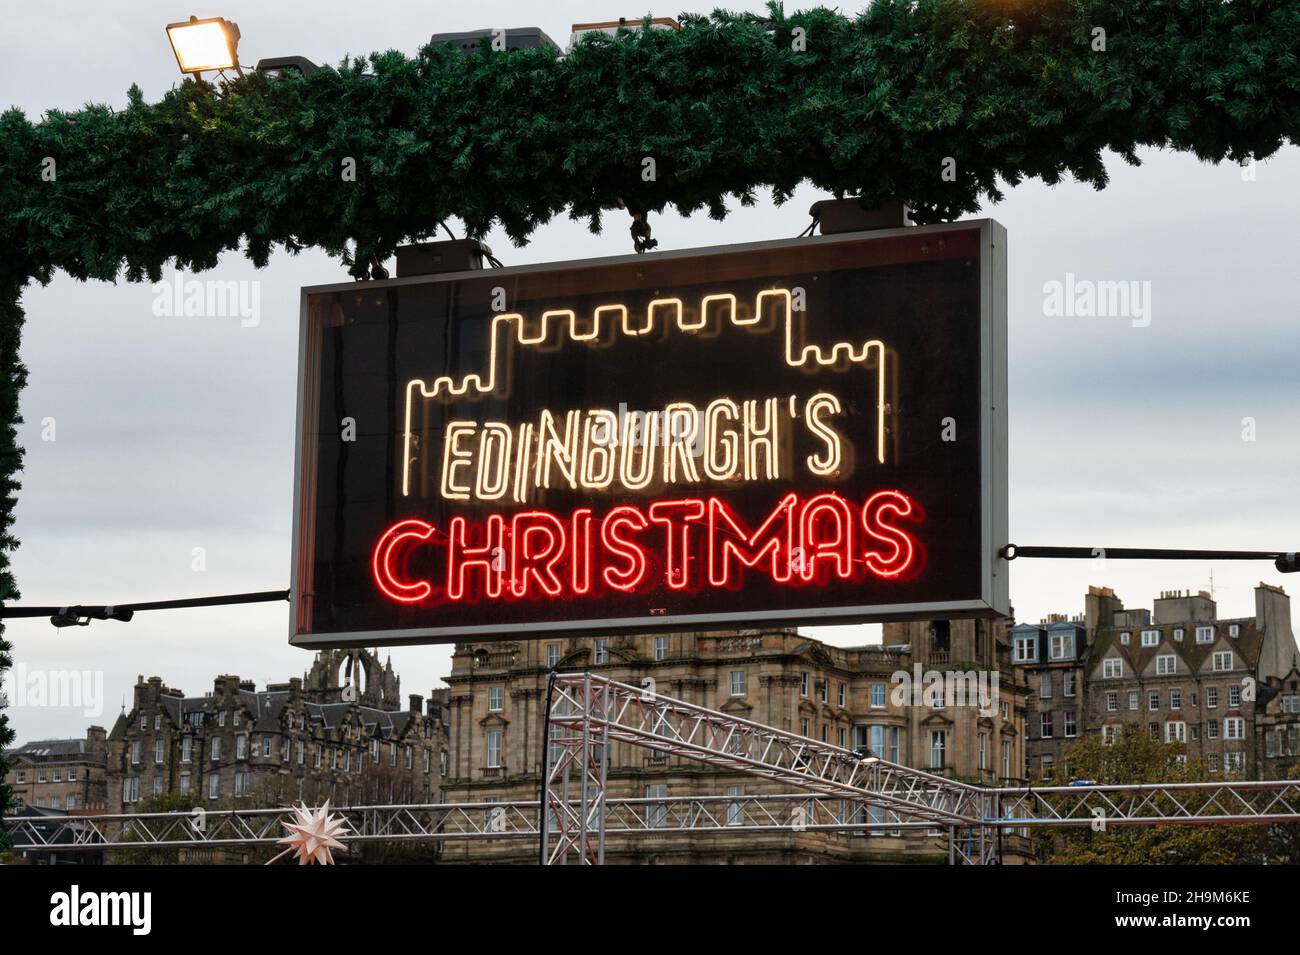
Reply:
x=176, y=433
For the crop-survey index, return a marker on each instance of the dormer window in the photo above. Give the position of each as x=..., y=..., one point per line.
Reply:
x=1204, y=634
x=1026, y=649
x=1125, y=637
x=1234, y=630
x=1178, y=634
x=1062, y=646
x=1150, y=638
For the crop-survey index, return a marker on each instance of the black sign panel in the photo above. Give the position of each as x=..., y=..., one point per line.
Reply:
x=806, y=431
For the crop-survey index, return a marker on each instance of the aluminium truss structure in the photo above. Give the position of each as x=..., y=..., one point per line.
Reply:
x=839, y=791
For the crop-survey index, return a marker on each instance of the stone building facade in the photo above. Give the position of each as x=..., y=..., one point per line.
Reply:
x=323, y=736
x=62, y=774
x=844, y=696
x=1220, y=688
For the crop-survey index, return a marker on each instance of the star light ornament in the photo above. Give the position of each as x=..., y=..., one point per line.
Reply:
x=312, y=835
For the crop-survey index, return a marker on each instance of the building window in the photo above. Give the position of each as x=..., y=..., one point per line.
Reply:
x=1212, y=762
x=1211, y=697
x=661, y=648
x=1166, y=664
x=1234, y=762
x=1234, y=630
x=241, y=746
x=317, y=757
x=602, y=650
x=735, y=810
x=1112, y=701
x=1150, y=638
x=1291, y=703
x=1026, y=649
x=1222, y=660
x=494, y=749
x=1134, y=700
x=825, y=686
x=1045, y=725
x=302, y=751
x=72, y=774
x=984, y=746
x=1178, y=634
x=72, y=802
x=893, y=744
x=1110, y=733
x=1045, y=685
x=1071, y=726
x=185, y=782
x=803, y=683
x=1047, y=761
x=803, y=727
x=214, y=786
x=144, y=722
x=1062, y=646
x=157, y=752
x=495, y=697
x=428, y=760
x=552, y=654
x=1112, y=668
x=1067, y=681
x=1234, y=696
x=938, y=746
x=1212, y=729
x=392, y=754
x=840, y=737
x=157, y=719
x=221, y=718
x=877, y=696
x=1175, y=699
x=135, y=758
x=1234, y=727
x=737, y=682
x=657, y=815
x=1153, y=700
x=1125, y=637
x=214, y=748
x=1175, y=731
x=1006, y=759
x=842, y=694
x=825, y=733
x=1204, y=634
x=410, y=757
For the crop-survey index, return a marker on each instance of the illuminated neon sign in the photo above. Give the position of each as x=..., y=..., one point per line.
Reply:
x=805, y=431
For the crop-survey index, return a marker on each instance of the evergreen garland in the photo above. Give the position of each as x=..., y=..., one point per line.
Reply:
x=730, y=104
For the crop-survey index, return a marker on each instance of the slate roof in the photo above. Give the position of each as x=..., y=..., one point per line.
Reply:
x=1247, y=644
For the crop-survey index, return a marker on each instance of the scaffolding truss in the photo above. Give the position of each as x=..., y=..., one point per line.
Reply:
x=839, y=791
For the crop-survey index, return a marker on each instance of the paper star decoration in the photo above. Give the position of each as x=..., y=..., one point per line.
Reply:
x=312, y=835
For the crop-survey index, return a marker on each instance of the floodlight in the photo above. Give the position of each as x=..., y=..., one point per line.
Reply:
x=211, y=44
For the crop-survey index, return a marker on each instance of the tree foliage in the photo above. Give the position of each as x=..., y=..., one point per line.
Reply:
x=1137, y=758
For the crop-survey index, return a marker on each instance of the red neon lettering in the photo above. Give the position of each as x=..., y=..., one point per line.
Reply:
x=490, y=557
x=580, y=550
x=836, y=547
x=897, y=556
x=748, y=551
x=677, y=516
x=630, y=551
x=382, y=561
x=528, y=564
x=814, y=541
